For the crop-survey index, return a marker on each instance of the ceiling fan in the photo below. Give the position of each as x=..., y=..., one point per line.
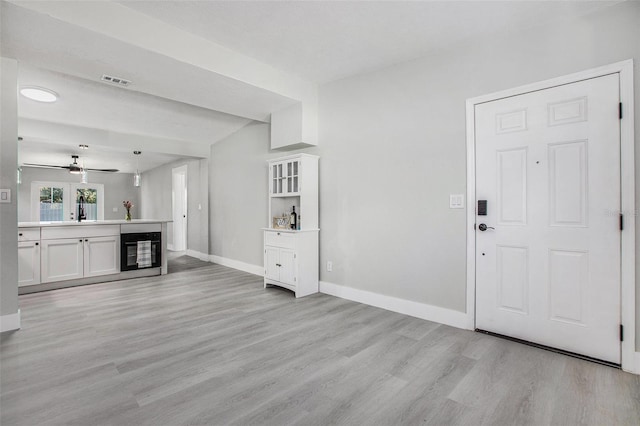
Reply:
x=74, y=167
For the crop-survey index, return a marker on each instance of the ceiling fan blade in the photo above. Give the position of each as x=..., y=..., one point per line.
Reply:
x=103, y=170
x=45, y=166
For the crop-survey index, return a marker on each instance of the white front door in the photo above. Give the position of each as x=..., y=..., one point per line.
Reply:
x=548, y=263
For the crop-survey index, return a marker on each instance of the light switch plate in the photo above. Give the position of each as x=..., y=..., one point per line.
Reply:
x=456, y=201
x=5, y=195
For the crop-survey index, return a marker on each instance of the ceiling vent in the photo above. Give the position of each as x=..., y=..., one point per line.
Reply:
x=115, y=80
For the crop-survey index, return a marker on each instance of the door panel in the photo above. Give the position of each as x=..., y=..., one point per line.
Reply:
x=287, y=268
x=271, y=262
x=28, y=263
x=548, y=164
x=61, y=259
x=101, y=256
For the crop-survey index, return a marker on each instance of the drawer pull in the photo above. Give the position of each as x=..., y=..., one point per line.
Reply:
x=277, y=264
x=20, y=234
x=37, y=244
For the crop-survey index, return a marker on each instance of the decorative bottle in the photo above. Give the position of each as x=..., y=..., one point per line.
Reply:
x=293, y=219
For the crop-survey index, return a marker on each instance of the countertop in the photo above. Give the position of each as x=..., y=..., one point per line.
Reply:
x=88, y=223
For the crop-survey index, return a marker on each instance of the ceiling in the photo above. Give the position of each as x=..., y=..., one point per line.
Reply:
x=216, y=65
x=327, y=40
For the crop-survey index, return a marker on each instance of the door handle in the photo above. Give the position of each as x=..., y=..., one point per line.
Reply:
x=483, y=227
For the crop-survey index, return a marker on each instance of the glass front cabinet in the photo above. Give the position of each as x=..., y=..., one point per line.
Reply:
x=285, y=177
x=291, y=257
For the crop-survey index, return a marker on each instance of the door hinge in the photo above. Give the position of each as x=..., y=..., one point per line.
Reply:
x=620, y=110
x=621, y=221
x=295, y=256
x=621, y=333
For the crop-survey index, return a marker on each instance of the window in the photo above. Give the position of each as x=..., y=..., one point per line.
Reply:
x=52, y=201
x=51, y=204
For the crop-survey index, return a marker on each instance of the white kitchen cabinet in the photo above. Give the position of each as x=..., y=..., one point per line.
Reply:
x=291, y=260
x=62, y=259
x=28, y=256
x=101, y=256
x=28, y=263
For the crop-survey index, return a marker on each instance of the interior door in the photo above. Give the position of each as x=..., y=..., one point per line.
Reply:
x=179, y=195
x=548, y=252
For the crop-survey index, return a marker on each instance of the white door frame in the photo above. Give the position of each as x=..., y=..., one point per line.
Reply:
x=181, y=170
x=630, y=359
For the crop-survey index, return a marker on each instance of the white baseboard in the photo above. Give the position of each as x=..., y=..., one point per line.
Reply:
x=236, y=264
x=10, y=322
x=198, y=255
x=170, y=247
x=407, y=307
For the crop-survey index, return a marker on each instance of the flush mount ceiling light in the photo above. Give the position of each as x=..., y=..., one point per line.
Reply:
x=39, y=94
x=83, y=146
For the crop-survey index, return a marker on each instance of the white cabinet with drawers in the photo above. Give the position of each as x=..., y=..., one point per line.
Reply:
x=291, y=260
x=291, y=255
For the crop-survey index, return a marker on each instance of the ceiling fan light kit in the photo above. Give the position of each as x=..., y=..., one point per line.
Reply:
x=74, y=168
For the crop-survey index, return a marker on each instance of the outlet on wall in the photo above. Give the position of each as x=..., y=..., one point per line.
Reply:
x=329, y=266
x=115, y=209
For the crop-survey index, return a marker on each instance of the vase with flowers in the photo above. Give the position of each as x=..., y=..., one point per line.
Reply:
x=127, y=205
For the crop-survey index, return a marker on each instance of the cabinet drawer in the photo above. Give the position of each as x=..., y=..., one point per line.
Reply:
x=79, y=231
x=280, y=239
x=28, y=234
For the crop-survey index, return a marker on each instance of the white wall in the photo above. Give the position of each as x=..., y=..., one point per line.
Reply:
x=392, y=147
x=8, y=167
x=117, y=188
x=238, y=194
x=155, y=200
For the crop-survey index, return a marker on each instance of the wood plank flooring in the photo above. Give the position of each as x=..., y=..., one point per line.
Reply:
x=208, y=345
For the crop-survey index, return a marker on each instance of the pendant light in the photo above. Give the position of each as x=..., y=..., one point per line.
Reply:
x=83, y=176
x=19, y=177
x=137, y=178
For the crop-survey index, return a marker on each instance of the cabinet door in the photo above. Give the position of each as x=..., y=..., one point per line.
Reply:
x=61, y=259
x=101, y=256
x=277, y=177
x=292, y=177
x=287, y=266
x=28, y=263
x=271, y=263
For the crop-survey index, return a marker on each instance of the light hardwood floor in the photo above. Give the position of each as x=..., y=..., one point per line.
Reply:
x=209, y=345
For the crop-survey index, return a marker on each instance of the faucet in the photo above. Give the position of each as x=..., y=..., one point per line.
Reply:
x=81, y=213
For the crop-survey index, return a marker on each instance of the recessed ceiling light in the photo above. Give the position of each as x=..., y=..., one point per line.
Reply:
x=39, y=94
